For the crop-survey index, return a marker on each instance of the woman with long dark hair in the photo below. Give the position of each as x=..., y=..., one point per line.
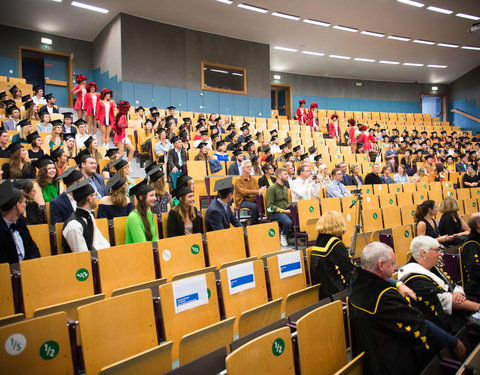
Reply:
x=46, y=187
x=425, y=222
x=141, y=226
x=158, y=181
x=116, y=203
x=183, y=218
x=18, y=166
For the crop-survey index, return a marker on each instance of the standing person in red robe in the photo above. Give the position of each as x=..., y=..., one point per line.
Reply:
x=79, y=92
x=105, y=115
x=313, y=116
x=302, y=113
x=91, y=99
x=121, y=139
x=334, y=128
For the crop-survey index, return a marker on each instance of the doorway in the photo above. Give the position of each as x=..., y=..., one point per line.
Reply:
x=435, y=105
x=281, y=99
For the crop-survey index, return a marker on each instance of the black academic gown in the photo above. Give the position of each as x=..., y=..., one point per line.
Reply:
x=8, y=250
x=393, y=334
x=471, y=264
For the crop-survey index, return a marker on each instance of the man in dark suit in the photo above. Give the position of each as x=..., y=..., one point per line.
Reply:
x=373, y=178
x=235, y=168
x=88, y=167
x=51, y=107
x=219, y=214
x=17, y=244
x=68, y=127
x=176, y=159
x=347, y=180
x=63, y=206
x=463, y=165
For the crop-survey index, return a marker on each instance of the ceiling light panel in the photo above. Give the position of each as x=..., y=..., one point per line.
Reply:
x=345, y=28
x=472, y=48
x=316, y=23
x=448, y=45
x=439, y=10
x=468, y=16
x=287, y=16
x=339, y=57
x=252, y=8
x=436, y=66
x=362, y=59
x=371, y=33
x=225, y=1
x=400, y=38
x=389, y=62
x=412, y=3
x=413, y=64
x=285, y=49
x=89, y=7
x=428, y=42
x=313, y=53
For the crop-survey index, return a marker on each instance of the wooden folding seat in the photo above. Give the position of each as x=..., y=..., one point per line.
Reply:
x=188, y=305
x=380, y=189
x=409, y=187
x=395, y=188
x=271, y=353
x=447, y=192
x=475, y=192
x=419, y=197
x=372, y=220
x=41, y=236
x=263, y=238
x=370, y=201
x=219, y=253
x=37, y=346
x=388, y=200
x=324, y=356
x=470, y=206
x=435, y=195
x=391, y=216
x=307, y=209
x=125, y=265
x=302, y=298
x=7, y=308
x=402, y=236
x=258, y=317
x=463, y=194
x=330, y=204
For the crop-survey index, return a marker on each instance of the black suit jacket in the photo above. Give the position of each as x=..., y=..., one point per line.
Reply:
x=176, y=227
x=372, y=179
x=233, y=169
x=173, y=158
x=60, y=209
x=8, y=250
x=218, y=218
x=347, y=180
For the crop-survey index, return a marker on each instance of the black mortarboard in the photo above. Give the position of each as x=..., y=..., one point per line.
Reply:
x=55, y=154
x=198, y=126
x=36, y=88
x=119, y=163
x=160, y=130
x=218, y=119
x=287, y=140
x=24, y=123
x=80, y=122
x=318, y=157
x=428, y=157
x=9, y=102
x=3, y=94
x=88, y=141
x=462, y=156
x=237, y=151
x=150, y=166
x=181, y=191
x=220, y=143
x=175, y=139
x=187, y=119
x=223, y=185
x=29, y=104
x=274, y=131
x=213, y=127
x=168, y=118
x=244, y=127
x=71, y=175
x=215, y=137
x=14, y=147
x=141, y=188
x=152, y=110
x=148, y=121
x=269, y=159
x=9, y=195
x=43, y=161
x=288, y=156
x=183, y=134
x=230, y=127
x=296, y=148
x=67, y=115
x=155, y=174
x=274, y=138
x=68, y=136
x=111, y=151
x=32, y=136
x=303, y=157
x=26, y=98
x=248, y=138
x=312, y=149
x=182, y=180
x=204, y=132
x=202, y=145
x=80, y=190
x=171, y=107
x=141, y=108
x=266, y=149
x=247, y=145
x=232, y=135
x=11, y=109
x=49, y=96
x=237, y=145
x=56, y=123
x=12, y=89
x=82, y=156
x=254, y=158
x=116, y=182
x=283, y=146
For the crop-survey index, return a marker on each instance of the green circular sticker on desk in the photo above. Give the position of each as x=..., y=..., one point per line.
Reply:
x=82, y=274
x=413, y=213
x=368, y=191
x=424, y=186
x=195, y=249
x=271, y=232
x=474, y=204
x=398, y=190
x=49, y=349
x=209, y=293
x=421, y=197
x=278, y=347
x=450, y=186
x=311, y=209
x=390, y=201
x=353, y=201
x=407, y=233
x=375, y=216
x=478, y=192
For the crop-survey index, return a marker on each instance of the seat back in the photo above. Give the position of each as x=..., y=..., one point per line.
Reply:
x=402, y=236
x=372, y=220
x=301, y=299
x=125, y=265
x=388, y=200
x=180, y=254
x=263, y=238
x=471, y=206
x=268, y=354
x=391, y=216
x=419, y=197
x=6, y=293
x=324, y=356
x=120, y=229
x=395, y=188
x=408, y=214
x=116, y=328
x=41, y=236
x=102, y=225
x=331, y=204
x=307, y=209
x=218, y=253
x=53, y=280
x=371, y=201
x=37, y=346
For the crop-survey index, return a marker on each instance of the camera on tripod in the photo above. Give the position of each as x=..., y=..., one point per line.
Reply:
x=356, y=191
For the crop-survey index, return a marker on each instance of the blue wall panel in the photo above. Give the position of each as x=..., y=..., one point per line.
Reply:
x=211, y=102
x=254, y=106
x=459, y=120
x=226, y=104
x=195, y=101
x=179, y=99
x=143, y=95
x=161, y=97
x=240, y=103
x=8, y=67
x=60, y=94
x=128, y=92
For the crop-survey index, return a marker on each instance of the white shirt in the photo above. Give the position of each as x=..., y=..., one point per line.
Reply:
x=107, y=110
x=208, y=142
x=73, y=233
x=303, y=190
x=49, y=109
x=94, y=101
x=73, y=202
x=39, y=101
x=275, y=148
x=80, y=139
x=18, y=241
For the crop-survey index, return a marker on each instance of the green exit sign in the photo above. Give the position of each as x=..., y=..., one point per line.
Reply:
x=45, y=46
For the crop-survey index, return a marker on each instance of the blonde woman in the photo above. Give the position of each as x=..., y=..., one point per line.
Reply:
x=31, y=111
x=323, y=177
x=116, y=203
x=355, y=172
x=26, y=128
x=69, y=145
x=421, y=173
x=56, y=138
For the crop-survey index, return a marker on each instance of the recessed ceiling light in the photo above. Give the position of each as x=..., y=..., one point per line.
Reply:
x=413, y=3
x=225, y=1
x=344, y=28
x=436, y=66
x=89, y=7
x=339, y=57
x=389, y=62
x=472, y=48
x=371, y=33
x=58, y=1
x=412, y=64
x=276, y=76
x=440, y=10
x=285, y=49
x=237, y=74
x=468, y=16
x=46, y=41
x=219, y=71
x=400, y=38
x=434, y=88
x=252, y=8
x=447, y=45
x=419, y=41
x=363, y=59
x=284, y=15
x=313, y=53
x=317, y=23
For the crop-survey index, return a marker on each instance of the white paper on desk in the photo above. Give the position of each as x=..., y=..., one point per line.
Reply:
x=189, y=293
x=240, y=277
x=289, y=264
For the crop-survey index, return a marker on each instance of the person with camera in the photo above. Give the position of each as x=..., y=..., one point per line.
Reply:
x=304, y=187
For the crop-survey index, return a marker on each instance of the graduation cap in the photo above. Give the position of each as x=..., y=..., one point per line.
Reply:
x=303, y=157
x=428, y=157
x=274, y=138
x=111, y=151
x=24, y=123
x=141, y=108
x=232, y=135
x=198, y=126
x=230, y=127
x=312, y=149
x=182, y=180
x=67, y=136
x=116, y=182
x=119, y=163
x=169, y=118
x=13, y=89
x=449, y=156
x=203, y=144
x=56, y=123
x=288, y=156
x=220, y=143
x=32, y=136
x=14, y=147
x=213, y=128
x=283, y=146
x=318, y=157
x=152, y=110
x=57, y=153
x=80, y=122
x=9, y=196
x=26, y=98
x=266, y=149
x=183, y=134
x=272, y=132
x=254, y=158
x=248, y=138
x=150, y=166
x=216, y=136
x=148, y=121
x=161, y=130
x=204, y=132
x=224, y=185
x=88, y=141
x=49, y=97
x=155, y=174
x=270, y=159
x=288, y=140
x=9, y=102
x=237, y=145
x=171, y=107
x=141, y=188
x=237, y=151
x=3, y=94
x=218, y=119
x=296, y=149
x=71, y=175
x=29, y=104
x=187, y=119
x=181, y=191
x=248, y=145
x=80, y=190
x=43, y=161
x=175, y=139
x=244, y=128
x=82, y=156
x=11, y=109
x=67, y=115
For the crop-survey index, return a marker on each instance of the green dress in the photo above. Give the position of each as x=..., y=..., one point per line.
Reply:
x=136, y=230
x=50, y=192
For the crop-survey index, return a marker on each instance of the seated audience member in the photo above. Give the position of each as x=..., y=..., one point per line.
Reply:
x=204, y=138
x=219, y=214
x=401, y=176
x=396, y=337
x=304, y=187
x=183, y=218
x=157, y=180
x=60, y=158
x=188, y=182
x=390, y=155
x=355, y=173
x=88, y=167
x=69, y=145
x=32, y=214
x=220, y=153
x=421, y=173
x=470, y=179
x=14, y=118
x=426, y=224
x=122, y=167
x=46, y=187
x=51, y=107
x=373, y=178
x=91, y=145
x=141, y=224
x=441, y=302
x=64, y=205
x=462, y=166
x=267, y=179
x=17, y=244
x=18, y=166
x=25, y=129
x=449, y=164
x=471, y=257
x=235, y=168
x=451, y=223
x=437, y=173
x=323, y=177
x=202, y=152
x=35, y=142
x=44, y=126
x=384, y=177
x=177, y=159
x=278, y=204
x=82, y=134
x=246, y=190
x=55, y=138
x=80, y=232
x=347, y=180
x=331, y=265
x=112, y=154
x=68, y=127
x=335, y=188
x=162, y=147
x=4, y=140
x=116, y=203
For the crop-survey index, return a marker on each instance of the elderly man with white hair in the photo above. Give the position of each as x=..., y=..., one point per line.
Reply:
x=441, y=301
x=395, y=336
